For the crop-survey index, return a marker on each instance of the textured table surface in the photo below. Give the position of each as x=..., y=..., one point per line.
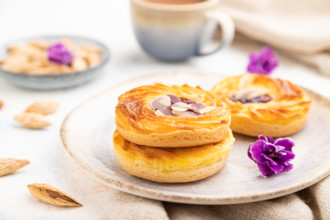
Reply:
x=108, y=21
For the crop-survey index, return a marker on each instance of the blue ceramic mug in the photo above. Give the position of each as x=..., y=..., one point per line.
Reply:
x=174, y=30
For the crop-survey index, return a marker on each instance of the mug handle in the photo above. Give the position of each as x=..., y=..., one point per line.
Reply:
x=228, y=30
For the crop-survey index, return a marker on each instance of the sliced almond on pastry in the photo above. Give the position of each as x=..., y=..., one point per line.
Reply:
x=180, y=106
x=174, y=99
x=250, y=93
x=164, y=111
x=160, y=102
x=189, y=114
x=207, y=109
x=177, y=113
x=195, y=98
x=195, y=107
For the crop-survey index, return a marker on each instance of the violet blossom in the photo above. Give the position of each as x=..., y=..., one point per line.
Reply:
x=272, y=156
x=59, y=53
x=263, y=62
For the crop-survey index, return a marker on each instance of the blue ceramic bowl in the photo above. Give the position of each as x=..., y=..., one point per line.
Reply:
x=55, y=81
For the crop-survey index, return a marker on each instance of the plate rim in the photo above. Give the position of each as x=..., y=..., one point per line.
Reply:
x=185, y=198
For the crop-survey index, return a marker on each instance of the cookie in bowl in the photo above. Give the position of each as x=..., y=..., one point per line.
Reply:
x=172, y=165
x=171, y=116
x=52, y=62
x=42, y=57
x=263, y=105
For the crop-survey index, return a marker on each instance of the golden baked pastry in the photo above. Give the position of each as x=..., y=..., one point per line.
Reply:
x=171, y=116
x=263, y=105
x=172, y=165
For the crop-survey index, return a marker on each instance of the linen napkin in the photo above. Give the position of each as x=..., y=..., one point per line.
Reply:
x=300, y=28
x=311, y=203
x=308, y=204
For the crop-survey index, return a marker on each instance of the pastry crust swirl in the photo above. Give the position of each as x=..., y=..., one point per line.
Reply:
x=137, y=122
x=285, y=114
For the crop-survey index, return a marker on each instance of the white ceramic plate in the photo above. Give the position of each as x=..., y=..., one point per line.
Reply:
x=87, y=135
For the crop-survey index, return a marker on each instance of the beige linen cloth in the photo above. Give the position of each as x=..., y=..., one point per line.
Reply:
x=308, y=204
x=300, y=28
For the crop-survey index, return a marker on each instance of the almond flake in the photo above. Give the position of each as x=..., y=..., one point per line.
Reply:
x=195, y=107
x=195, y=98
x=174, y=99
x=207, y=109
x=160, y=102
x=255, y=94
x=10, y=165
x=51, y=195
x=78, y=64
x=180, y=106
x=177, y=113
x=253, y=91
x=164, y=111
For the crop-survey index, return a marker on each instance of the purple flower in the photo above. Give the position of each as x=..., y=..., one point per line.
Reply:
x=263, y=62
x=272, y=156
x=59, y=53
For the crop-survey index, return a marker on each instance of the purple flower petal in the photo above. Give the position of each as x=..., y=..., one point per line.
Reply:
x=267, y=139
x=270, y=139
x=287, y=167
x=250, y=155
x=285, y=156
x=265, y=170
x=268, y=158
x=270, y=148
x=263, y=62
x=263, y=138
x=285, y=142
x=272, y=156
x=277, y=168
x=59, y=53
x=256, y=150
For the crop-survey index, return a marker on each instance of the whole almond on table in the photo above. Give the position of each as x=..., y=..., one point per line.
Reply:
x=10, y=165
x=51, y=195
x=32, y=120
x=44, y=107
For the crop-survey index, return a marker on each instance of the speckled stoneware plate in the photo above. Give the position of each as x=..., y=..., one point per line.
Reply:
x=87, y=136
x=54, y=81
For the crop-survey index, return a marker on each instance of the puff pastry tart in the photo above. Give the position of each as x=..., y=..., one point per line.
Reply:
x=263, y=105
x=172, y=165
x=171, y=116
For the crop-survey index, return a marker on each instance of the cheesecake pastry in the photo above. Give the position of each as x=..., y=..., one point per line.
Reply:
x=171, y=116
x=261, y=105
x=172, y=165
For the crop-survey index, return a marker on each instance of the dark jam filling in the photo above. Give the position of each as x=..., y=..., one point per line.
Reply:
x=258, y=99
